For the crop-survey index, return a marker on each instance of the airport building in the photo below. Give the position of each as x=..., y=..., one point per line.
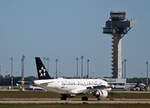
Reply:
x=117, y=26
x=119, y=84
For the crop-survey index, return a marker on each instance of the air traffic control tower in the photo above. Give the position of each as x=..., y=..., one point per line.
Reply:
x=117, y=26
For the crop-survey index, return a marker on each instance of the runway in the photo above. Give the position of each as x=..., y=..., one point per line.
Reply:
x=72, y=101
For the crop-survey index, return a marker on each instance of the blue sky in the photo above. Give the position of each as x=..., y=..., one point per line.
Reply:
x=66, y=29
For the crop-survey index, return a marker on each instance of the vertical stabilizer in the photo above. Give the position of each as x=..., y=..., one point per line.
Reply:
x=41, y=70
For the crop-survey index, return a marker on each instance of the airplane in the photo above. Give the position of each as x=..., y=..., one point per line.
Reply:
x=35, y=88
x=139, y=87
x=70, y=87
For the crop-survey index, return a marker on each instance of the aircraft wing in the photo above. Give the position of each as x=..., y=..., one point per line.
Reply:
x=96, y=87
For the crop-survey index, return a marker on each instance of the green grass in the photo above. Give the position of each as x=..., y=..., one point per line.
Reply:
x=74, y=105
x=27, y=94
x=33, y=94
x=129, y=95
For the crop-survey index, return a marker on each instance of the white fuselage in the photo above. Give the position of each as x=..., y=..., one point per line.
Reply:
x=70, y=86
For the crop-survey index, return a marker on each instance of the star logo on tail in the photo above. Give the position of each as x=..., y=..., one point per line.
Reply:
x=42, y=72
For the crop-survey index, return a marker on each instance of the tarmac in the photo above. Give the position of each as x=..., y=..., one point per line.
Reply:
x=72, y=101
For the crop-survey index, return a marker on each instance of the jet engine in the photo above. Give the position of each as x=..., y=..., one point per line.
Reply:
x=101, y=94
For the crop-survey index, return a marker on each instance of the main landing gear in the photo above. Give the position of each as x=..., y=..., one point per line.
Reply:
x=98, y=97
x=84, y=98
x=63, y=97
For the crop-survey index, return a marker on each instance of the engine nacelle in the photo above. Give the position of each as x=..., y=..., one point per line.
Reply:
x=101, y=93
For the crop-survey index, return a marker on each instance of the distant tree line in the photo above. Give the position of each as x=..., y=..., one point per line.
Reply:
x=6, y=80
x=137, y=80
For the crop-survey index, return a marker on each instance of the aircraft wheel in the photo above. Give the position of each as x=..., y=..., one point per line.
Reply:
x=85, y=98
x=63, y=98
x=98, y=98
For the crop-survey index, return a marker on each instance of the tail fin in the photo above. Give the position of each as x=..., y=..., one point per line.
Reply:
x=41, y=70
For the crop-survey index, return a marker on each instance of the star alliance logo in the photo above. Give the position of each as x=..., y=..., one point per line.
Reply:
x=42, y=72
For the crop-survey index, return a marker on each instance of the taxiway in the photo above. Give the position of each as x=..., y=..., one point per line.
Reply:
x=72, y=101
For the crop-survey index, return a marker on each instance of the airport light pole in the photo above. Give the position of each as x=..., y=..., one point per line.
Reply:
x=93, y=74
x=82, y=57
x=11, y=61
x=56, y=67
x=48, y=64
x=125, y=67
x=147, y=72
x=88, y=68
x=22, y=72
x=0, y=69
x=77, y=60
